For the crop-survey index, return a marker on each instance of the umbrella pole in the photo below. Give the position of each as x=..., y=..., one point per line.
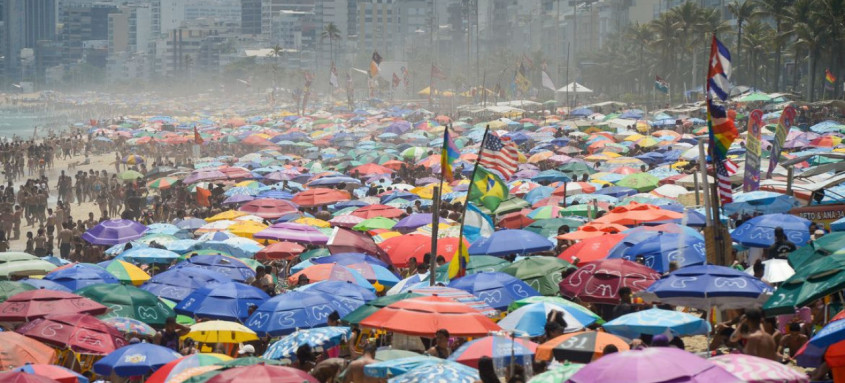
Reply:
x=435, y=222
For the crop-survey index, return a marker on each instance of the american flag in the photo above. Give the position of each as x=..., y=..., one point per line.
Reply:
x=498, y=155
x=722, y=179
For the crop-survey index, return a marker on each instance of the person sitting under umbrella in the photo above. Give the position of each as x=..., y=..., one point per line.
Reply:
x=441, y=344
x=756, y=341
x=781, y=247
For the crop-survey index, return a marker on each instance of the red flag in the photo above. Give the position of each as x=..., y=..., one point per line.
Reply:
x=396, y=80
x=197, y=138
x=203, y=196
x=437, y=73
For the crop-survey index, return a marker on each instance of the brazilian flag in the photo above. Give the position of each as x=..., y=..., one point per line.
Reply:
x=487, y=189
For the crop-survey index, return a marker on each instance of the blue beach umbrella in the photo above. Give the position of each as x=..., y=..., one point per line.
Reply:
x=760, y=231
x=530, y=319
x=176, y=284
x=760, y=202
x=283, y=314
x=495, y=288
x=135, y=360
x=506, y=242
x=148, y=255
x=706, y=286
x=231, y=267
x=324, y=337
x=225, y=301
x=341, y=289
x=81, y=275
x=444, y=371
x=658, y=251
x=657, y=321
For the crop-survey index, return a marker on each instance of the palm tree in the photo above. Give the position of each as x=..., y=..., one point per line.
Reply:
x=776, y=9
x=640, y=36
x=332, y=33
x=743, y=11
x=665, y=39
x=758, y=37
x=798, y=14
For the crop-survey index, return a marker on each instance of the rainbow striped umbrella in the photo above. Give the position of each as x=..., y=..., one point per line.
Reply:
x=162, y=183
x=133, y=159
x=171, y=370
x=130, y=326
x=125, y=272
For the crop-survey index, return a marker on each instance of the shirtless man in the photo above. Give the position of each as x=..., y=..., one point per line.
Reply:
x=757, y=341
x=65, y=237
x=355, y=371
x=792, y=341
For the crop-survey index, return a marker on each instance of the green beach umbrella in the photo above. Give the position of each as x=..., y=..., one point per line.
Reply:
x=129, y=175
x=375, y=223
x=9, y=288
x=812, y=281
x=557, y=374
x=478, y=264
x=641, y=182
x=549, y=227
x=541, y=273
x=128, y=302
x=180, y=319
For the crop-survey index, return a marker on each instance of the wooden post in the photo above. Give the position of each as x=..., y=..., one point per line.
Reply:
x=435, y=222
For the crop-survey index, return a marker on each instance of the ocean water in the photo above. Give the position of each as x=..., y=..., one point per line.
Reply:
x=22, y=122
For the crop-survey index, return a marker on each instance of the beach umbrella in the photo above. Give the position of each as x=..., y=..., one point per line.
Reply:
x=162, y=183
x=438, y=372
x=29, y=305
x=293, y=232
x=368, y=308
x=579, y=347
x=397, y=366
x=176, y=284
x=375, y=273
x=19, y=264
x=652, y=365
x=530, y=320
x=706, y=286
x=80, y=275
x=656, y=321
x=23, y=377
x=774, y=270
x=412, y=222
x=235, y=268
x=218, y=331
x=641, y=182
x=600, y=281
x=114, y=231
x=332, y=272
x=502, y=350
x=148, y=255
x=9, y=288
x=636, y=214
x=752, y=369
x=129, y=175
x=826, y=245
x=125, y=272
x=17, y=350
x=557, y=374
x=373, y=211
x=541, y=273
x=78, y=332
x=226, y=301
x=135, y=359
x=130, y=302
x=347, y=290
x=507, y=242
x=179, y=368
x=402, y=248
x=592, y=249
x=454, y=294
x=189, y=223
x=263, y=373
x=323, y=338
x=347, y=259
x=495, y=288
x=375, y=223
x=44, y=284
x=50, y=371
x=760, y=231
x=660, y=250
x=423, y=316
x=294, y=310
x=269, y=208
x=811, y=281
x=130, y=326
x=760, y=202
x=319, y=197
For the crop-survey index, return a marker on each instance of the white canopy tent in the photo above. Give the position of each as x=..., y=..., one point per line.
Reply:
x=575, y=87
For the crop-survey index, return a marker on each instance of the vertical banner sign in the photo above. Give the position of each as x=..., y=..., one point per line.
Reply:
x=753, y=151
x=785, y=122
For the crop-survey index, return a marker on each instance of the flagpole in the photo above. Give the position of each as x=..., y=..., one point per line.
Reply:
x=469, y=191
x=435, y=211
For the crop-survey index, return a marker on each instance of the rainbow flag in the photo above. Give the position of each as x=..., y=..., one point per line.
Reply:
x=829, y=76
x=722, y=130
x=448, y=155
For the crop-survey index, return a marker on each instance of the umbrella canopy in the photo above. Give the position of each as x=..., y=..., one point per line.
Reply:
x=226, y=301
x=293, y=232
x=496, y=289
x=176, y=284
x=130, y=326
x=818, y=248
x=175, y=369
x=30, y=305
x=774, y=270
x=703, y=287
x=531, y=319
x=760, y=231
x=636, y=214
x=294, y=310
x=760, y=202
x=439, y=372
x=367, y=309
x=501, y=349
x=660, y=250
x=235, y=268
x=263, y=373
x=130, y=302
x=80, y=275
x=125, y=272
x=507, y=242
x=135, y=359
x=541, y=273
x=656, y=321
x=652, y=365
x=557, y=374
x=592, y=249
x=331, y=271
x=423, y=316
x=812, y=281
x=579, y=347
x=57, y=373
x=17, y=350
x=78, y=332
x=269, y=208
x=325, y=338
x=9, y=288
x=320, y=197
x=373, y=211
x=218, y=331
x=114, y=231
x=402, y=248
x=397, y=366
x=753, y=369
x=24, y=377
x=600, y=281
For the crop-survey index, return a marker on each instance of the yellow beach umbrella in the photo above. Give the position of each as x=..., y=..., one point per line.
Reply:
x=226, y=215
x=246, y=229
x=634, y=137
x=218, y=331
x=127, y=272
x=312, y=222
x=427, y=192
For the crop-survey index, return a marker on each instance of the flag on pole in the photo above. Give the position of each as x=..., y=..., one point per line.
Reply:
x=333, y=77
x=374, y=64
x=406, y=78
x=448, y=155
x=521, y=80
x=501, y=156
x=197, y=138
x=203, y=196
x=661, y=85
x=396, y=80
x=437, y=73
x=721, y=128
x=718, y=84
x=459, y=262
x=547, y=82
x=476, y=224
x=487, y=188
x=830, y=79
